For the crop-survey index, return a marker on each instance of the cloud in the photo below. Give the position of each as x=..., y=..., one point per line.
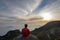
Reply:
x=53, y=9
x=52, y=6
x=35, y=19
x=42, y=5
x=22, y=6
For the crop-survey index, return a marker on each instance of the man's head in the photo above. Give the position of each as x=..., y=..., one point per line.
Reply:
x=26, y=25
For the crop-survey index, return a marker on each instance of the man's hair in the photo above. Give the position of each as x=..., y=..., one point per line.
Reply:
x=26, y=25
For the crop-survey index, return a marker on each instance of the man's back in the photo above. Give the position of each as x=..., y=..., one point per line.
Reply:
x=25, y=32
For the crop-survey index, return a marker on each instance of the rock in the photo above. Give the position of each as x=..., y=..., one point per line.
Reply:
x=30, y=37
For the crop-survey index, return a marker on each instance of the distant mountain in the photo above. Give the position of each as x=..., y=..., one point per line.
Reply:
x=10, y=35
x=50, y=31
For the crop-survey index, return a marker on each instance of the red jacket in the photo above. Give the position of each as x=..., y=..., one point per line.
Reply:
x=25, y=32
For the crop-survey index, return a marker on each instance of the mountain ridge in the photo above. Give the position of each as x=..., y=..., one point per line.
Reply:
x=50, y=31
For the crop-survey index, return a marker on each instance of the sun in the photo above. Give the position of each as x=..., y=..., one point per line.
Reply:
x=46, y=16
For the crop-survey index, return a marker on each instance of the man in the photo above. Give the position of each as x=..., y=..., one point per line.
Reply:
x=25, y=31
x=26, y=35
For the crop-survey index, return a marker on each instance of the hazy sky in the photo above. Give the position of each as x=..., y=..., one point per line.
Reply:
x=15, y=13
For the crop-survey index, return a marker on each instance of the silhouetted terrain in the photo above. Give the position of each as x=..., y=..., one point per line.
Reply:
x=50, y=31
x=10, y=35
x=30, y=37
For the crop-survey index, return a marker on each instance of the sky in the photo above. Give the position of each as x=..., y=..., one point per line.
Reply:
x=15, y=13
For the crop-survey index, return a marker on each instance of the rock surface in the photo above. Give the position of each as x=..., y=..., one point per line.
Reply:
x=30, y=37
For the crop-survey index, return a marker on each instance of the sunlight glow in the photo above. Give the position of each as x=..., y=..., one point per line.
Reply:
x=46, y=16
